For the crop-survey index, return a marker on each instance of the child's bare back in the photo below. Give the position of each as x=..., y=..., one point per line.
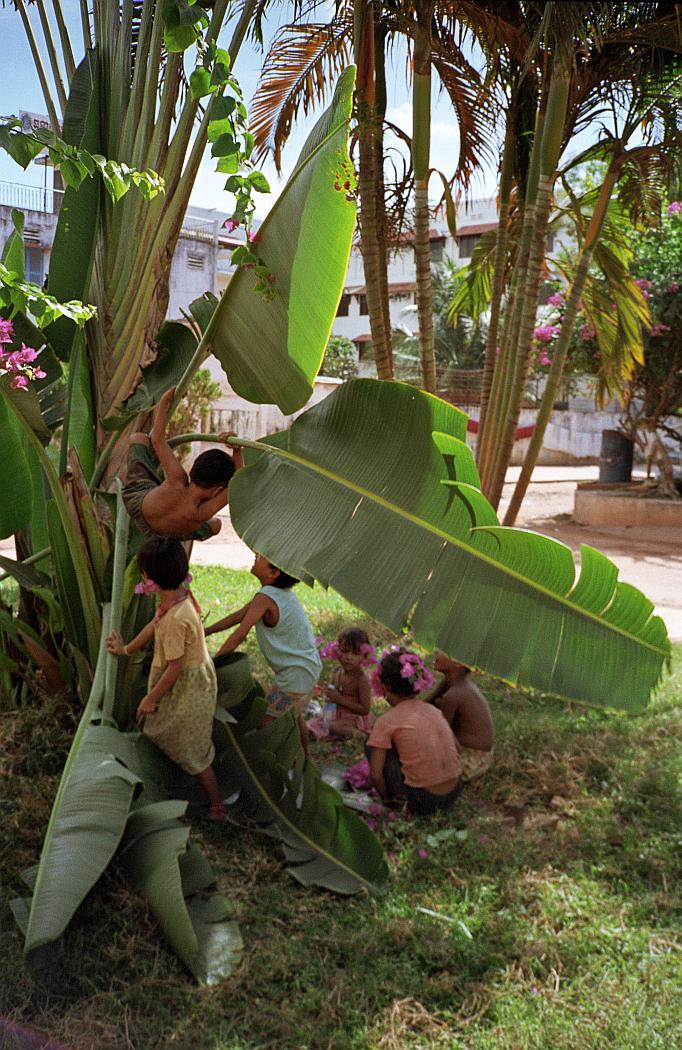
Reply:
x=463, y=705
x=175, y=503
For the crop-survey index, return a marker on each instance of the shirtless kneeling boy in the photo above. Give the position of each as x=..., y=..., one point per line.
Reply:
x=466, y=709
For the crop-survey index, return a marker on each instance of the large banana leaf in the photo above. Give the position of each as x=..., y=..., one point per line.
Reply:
x=271, y=348
x=73, y=250
x=171, y=873
x=271, y=784
x=377, y=495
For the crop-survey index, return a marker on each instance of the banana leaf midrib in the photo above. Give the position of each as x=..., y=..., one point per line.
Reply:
x=295, y=175
x=314, y=847
x=499, y=566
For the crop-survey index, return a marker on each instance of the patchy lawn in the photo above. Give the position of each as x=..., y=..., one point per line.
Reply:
x=552, y=897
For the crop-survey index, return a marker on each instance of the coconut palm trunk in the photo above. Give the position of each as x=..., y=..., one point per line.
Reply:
x=374, y=259
x=562, y=345
x=421, y=136
x=497, y=289
x=537, y=217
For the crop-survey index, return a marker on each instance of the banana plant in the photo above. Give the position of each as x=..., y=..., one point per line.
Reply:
x=404, y=532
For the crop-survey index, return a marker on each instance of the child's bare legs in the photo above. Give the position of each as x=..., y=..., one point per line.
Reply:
x=207, y=779
x=346, y=730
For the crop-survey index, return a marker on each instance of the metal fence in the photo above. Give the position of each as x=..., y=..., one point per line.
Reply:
x=30, y=198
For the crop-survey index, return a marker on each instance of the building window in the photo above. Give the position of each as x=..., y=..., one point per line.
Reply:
x=35, y=265
x=363, y=305
x=344, y=303
x=436, y=249
x=467, y=244
x=195, y=261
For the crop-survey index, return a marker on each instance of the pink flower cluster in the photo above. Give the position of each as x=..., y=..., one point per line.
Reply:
x=674, y=207
x=332, y=651
x=587, y=332
x=659, y=329
x=148, y=587
x=19, y=363
x=643, y=286
x=358, y=775
x=556, y=299
x=544, y=333
x=412, y=667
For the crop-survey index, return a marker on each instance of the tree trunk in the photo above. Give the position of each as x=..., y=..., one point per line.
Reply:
x=561, y=349
x=365, y=87
x=421, y=136
x=538, y=218
x=497, y=290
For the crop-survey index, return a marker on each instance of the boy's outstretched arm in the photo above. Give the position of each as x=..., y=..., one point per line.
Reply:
x=172, y=467
x=256, y=610
x=227, y=621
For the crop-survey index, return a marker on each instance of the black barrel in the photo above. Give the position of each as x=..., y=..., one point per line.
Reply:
x=615, y=461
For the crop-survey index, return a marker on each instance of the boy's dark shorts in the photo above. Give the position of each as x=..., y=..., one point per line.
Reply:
x=143, y=474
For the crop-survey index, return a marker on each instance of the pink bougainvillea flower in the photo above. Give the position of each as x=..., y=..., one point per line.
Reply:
x=369, y=653
x=331, y=651
x=6, y=331
x=587, y=332
x=146, y=586
x=556, y=299
x=371, y=823
x=252, y=236
x=376, y=810
x=423, y=853
x=672, y=288
x=19, y=382
x=544, y=359
x=38, y=373
x=26, y=354
x=659, y=329
x=230, y=225
x=544, y=333
x=674, y=207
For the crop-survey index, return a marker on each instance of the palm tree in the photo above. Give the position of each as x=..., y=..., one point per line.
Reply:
x=295, y=76
x=573, y=75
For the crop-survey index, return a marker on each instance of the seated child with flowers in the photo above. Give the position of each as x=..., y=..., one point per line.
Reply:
x=176, y=504
x=412, y=750
x=285, y=639
x=466, y=710
x=350, y=690
x=177, y=711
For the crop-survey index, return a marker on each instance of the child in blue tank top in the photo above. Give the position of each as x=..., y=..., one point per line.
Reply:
x=285, y=639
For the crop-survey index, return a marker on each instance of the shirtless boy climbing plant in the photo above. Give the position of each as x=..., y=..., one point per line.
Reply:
x=161, y=498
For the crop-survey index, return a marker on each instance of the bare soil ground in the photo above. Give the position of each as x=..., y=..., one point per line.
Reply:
x=649, y=559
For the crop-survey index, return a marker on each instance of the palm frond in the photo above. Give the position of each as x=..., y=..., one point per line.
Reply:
x=298, y=73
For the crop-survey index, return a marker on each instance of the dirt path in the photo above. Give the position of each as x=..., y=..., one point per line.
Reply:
x=648, y=559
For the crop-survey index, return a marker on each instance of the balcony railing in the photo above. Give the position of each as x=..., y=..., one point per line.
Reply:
x=30, y=198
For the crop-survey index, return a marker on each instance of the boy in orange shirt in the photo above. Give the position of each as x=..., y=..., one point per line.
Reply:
x=412, y=750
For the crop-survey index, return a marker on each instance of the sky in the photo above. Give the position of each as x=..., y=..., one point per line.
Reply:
x=20, y=90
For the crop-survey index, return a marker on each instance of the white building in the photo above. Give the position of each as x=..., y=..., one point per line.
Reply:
x=352, y=319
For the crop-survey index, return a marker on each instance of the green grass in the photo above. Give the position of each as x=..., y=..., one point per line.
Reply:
x=557, y=903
